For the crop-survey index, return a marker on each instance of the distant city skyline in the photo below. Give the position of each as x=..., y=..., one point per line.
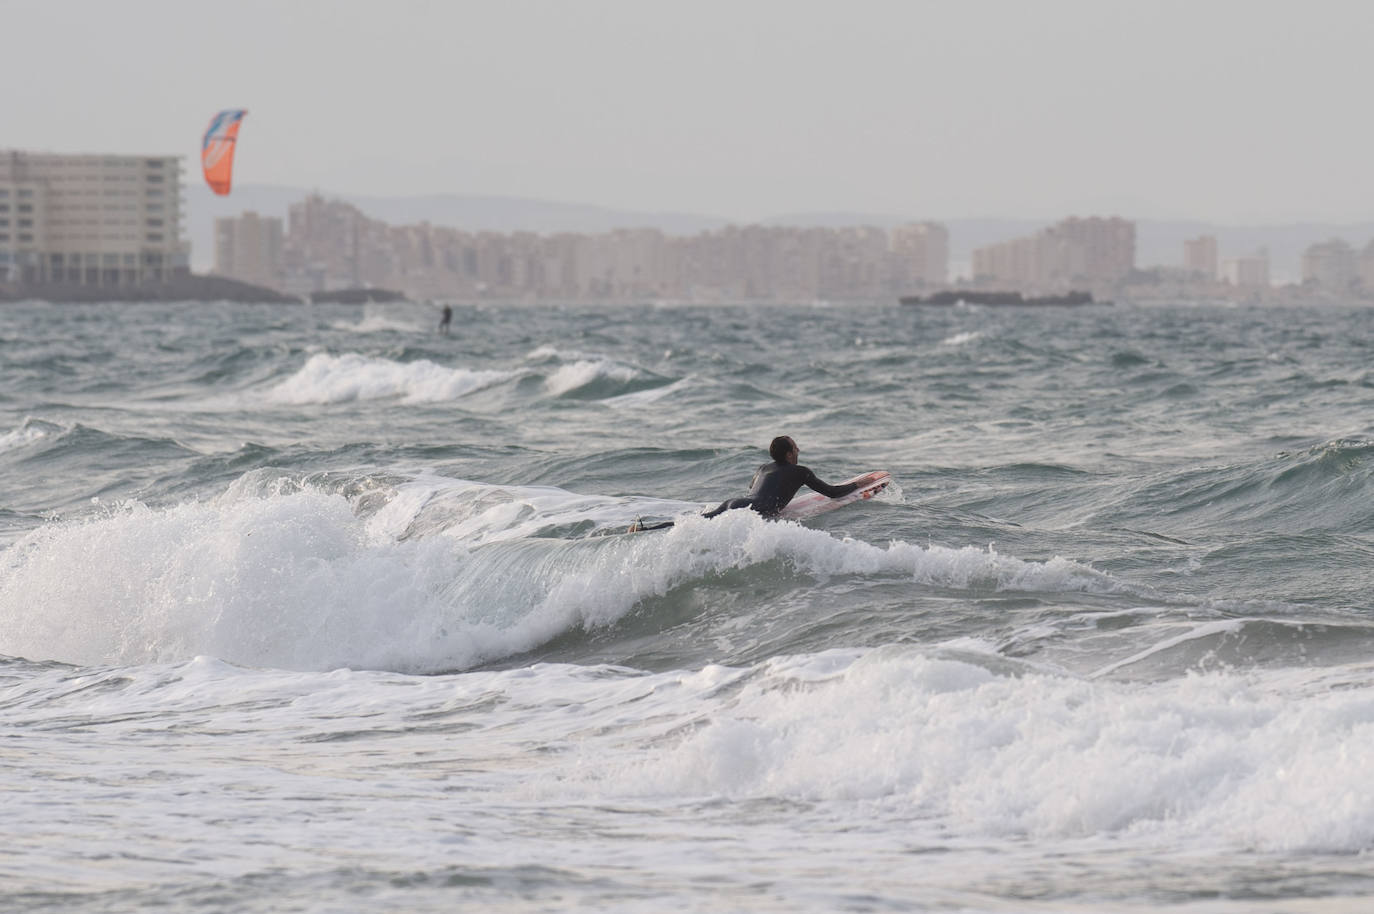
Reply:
x=1227, y=112
x=109, y=221
x=333, y=245
x=329, y=245
x=1159, y=243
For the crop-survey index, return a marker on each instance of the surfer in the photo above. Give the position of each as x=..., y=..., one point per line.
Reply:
x=773, y=485
x=445, y=319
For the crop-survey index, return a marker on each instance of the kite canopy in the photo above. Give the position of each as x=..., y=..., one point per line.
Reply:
x=217, y=149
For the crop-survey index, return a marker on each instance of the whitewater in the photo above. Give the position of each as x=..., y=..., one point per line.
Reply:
x=309, y=608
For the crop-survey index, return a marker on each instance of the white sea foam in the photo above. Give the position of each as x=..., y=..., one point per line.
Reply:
x=395, y=317
x=577, y=375
x=31, y=431
x=960, y=339
x=344, y=378
x=576, y=370
x=293, y=578
x=294, y=582
x=546, y=353
x=446, y=575
x=386, y=323
x=1218, y=757
x=864, y=755
x=652, y=395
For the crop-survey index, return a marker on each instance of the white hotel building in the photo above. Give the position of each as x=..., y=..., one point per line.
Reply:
x=94, y=220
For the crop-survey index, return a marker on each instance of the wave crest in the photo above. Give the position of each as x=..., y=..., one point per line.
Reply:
x=349, y=377
x=417, y=576
x=973, y=751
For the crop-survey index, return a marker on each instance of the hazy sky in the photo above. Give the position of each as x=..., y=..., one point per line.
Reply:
x=1233, y=112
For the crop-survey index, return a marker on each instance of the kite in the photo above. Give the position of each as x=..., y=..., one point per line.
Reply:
x=217, y=149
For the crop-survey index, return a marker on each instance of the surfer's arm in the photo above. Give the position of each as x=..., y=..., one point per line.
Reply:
x=814, y=483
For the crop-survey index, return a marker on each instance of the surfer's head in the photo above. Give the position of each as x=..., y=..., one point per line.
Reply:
x=783, y=448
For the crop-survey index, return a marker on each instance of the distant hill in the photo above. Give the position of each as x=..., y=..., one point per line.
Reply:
x=1158, y=242
x=836, y=220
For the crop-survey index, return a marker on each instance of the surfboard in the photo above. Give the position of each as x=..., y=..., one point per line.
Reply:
x=809, y=504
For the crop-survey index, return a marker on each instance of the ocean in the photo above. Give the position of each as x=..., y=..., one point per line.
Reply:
x=311, y=609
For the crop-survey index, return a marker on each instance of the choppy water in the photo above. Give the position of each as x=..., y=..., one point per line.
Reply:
x=306, y=609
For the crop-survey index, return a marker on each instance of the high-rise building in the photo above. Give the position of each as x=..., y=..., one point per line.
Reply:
x=1200, y=256
x=1091, y=252
x=96, y=220
x=334, y=243
x=1330, y=265
x=330, y=244
x=1022, y=263
x=1106, y=248
x=249, y=248
x=1251, y=272
x=1364, y=266
x=923, y=250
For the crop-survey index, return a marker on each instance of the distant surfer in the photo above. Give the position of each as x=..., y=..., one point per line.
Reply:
x=445, y=320
x=773, y=485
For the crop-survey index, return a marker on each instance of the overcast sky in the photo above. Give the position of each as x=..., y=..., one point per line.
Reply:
x=1233, y=112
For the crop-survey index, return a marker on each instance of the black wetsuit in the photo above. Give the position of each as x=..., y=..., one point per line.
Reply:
x=774, y=485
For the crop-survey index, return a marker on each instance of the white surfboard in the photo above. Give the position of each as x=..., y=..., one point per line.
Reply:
x=809, y=504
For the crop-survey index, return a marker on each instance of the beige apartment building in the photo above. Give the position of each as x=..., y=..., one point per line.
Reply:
x=1332, y=265
x=330, y=244
x=249, y=248
x=1094, y=252
x=1365, y=266
x=95, y=220
x=924, y=248
x=1247, y=272
x=1200, y=256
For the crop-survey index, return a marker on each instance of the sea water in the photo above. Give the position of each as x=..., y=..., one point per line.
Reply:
x=309, y=608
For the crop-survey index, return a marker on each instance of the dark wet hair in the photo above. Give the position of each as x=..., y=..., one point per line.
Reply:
x=780, y=448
